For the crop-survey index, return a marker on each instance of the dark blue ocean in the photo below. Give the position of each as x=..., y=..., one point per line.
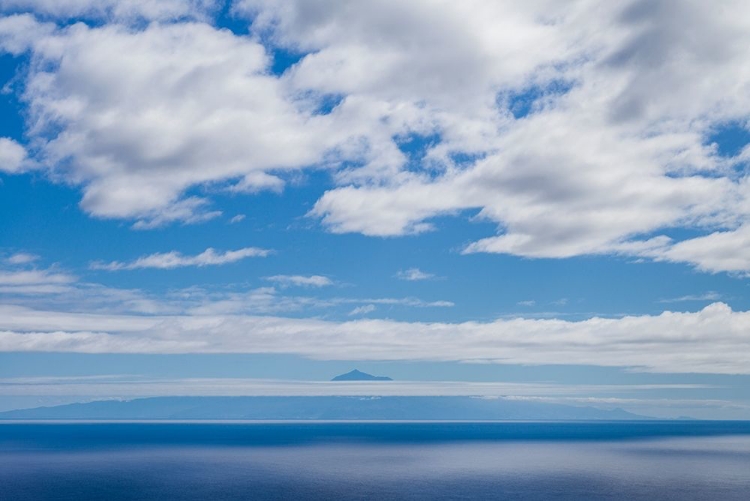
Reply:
x=676, y=460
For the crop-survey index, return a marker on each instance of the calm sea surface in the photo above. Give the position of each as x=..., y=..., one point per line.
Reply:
x=237, y=461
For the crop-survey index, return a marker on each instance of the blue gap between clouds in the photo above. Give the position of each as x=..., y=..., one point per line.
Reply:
x=730, y=138
x=11, y=110
x=327, y=102
x=415, y=147
x=283, y=58
x=526, y=101
x=226, y=20
x=464, y=159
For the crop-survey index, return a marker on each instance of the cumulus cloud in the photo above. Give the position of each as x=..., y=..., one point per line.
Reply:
x=413, y=274
x=300, y=280
x=174, y=259
x=716, y=252
x=611, y=146
x=579, y=128
x=180, y=105
x=12, y=156
x=712, y=340
x=19, y=32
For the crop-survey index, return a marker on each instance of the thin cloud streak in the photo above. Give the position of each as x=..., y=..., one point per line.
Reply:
x=130, y=386
x=174, y=259
x=708, y=296
x=413, y=274
x=363, y=310
x=21, y=258
x=300, y=280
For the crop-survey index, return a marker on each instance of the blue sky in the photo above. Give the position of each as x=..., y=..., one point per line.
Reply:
x=546, y=196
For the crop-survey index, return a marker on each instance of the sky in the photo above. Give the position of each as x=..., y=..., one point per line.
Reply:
x=536, y=200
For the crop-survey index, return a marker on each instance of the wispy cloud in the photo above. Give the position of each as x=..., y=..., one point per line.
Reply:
x=20, y=281
x=708, y=296
x=363, y=310
x=237, y=218
x=12, y=156
x=413, y=274
x=267, y=300
x=45, y=288
x=21, y=258
x=34, y=277
x=191, y=210
x=174, y=259
x=404, y=301
x=300, y=280
x=529, y=302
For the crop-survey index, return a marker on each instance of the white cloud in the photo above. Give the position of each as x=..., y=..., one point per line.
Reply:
x=236, y=219
x=140, y=116
x=716, y=252
x=21, y=258
x=615, y=149
x=413, y=274
x=300, y=280
x=35, y=282
x=405, y=301
x=708, y=296
x=174, y=259
x=12, y=156
x=18, y=33
x=621, y=154
x=34, y=277
x=38, y=291
x=712, y=340
x=529, y=302
x=267, y=300
x=363, y=310
x=188, y=211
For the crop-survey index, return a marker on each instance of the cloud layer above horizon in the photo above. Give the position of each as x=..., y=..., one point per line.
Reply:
x=712, y=340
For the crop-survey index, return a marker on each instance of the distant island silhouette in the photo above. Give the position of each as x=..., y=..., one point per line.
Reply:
x=356, y=375
x=409, y=408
